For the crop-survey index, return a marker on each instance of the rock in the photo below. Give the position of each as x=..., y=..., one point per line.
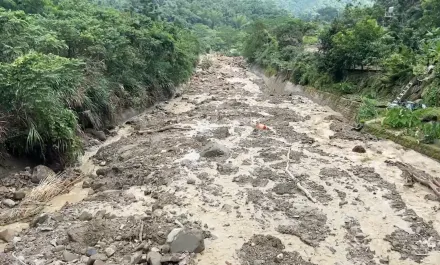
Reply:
x=99, y=262
x=385, y=260
x=102, y=171
x=359, y=149
x=259, y=262
x=87, y=183
x=91, y=251
x=143, y=246
x=7, y=235
x=191, y=181
x=280, y=257
x=9, y=203
x=74, y=236
x=46, y=228
x=188, y=240
x=40, y=173
x=69, y=256
x=57, y=262
x=59, y=248
x=165, y=249
x=171, y=258
x=19, y=195
x=154, y=258
x=136, y=258
x=40, y=219
x=98, y=257
x=100, y=135
x=100, y=214
x=16, y=239
x=227, y=208
x=110, y=251
x=85, y=216
x=213, y=149
x=172, y=235
x=342, y=203
x=9, y=248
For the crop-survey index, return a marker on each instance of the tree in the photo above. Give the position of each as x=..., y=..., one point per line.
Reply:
x=327, y=13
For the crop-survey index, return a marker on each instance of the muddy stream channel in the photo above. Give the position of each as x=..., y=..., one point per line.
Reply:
x=211, y=183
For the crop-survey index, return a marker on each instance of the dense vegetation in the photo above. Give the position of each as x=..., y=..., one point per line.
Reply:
x=370, y=51
x=318, y=9
x=66, y=65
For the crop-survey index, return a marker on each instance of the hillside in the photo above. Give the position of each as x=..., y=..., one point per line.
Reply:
x=311, y=8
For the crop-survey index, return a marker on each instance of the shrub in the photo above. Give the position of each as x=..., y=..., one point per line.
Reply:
x=431, y=131
x=42, y=99
x=344, y=88
x=310, y=40
x=431, y=95
x=398, y=118
x=79, y=62
x=367, y=110
x=206, y=62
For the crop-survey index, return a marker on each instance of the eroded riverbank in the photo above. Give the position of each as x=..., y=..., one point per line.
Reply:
x=147, y=183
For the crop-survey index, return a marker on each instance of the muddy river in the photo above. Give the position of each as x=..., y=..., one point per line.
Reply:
x=142, y=184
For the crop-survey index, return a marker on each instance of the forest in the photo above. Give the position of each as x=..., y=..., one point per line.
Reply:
x=69, y=65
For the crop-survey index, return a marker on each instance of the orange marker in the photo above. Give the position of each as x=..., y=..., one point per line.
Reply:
x=261, y=127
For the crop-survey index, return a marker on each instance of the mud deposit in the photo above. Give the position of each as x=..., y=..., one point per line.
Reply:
x=213, y=172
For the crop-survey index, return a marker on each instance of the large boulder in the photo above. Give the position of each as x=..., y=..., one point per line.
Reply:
x=213, y=149
x=359, y=149
x=186, y=240
x=40, y=173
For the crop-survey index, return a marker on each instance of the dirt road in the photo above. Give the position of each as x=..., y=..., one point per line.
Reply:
x=212, y=171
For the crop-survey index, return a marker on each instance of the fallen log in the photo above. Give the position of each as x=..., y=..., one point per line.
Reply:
x=166, y=128
x=420, y=176
x=298, y=184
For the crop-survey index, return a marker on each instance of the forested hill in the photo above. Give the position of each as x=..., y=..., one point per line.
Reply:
x=310, y=9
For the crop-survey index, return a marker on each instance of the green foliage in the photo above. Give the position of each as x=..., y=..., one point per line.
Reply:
x=431, y=95
x=427, y=112
x=367, y=110
x=77, y=63
x=398, y=118
x=431, y=131
x=344, y=88
x=310, y=40
x=259, y=45
x=39, y=100
x=358, y=46
x=327, y=13
x=325, y=10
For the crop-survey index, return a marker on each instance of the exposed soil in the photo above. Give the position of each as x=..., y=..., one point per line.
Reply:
x=140, y=185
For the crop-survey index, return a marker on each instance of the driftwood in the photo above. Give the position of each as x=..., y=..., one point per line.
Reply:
x=38, y=197
x=298, y=184
x=19, y=260
x=141, y=232
x=420, y=176
x=163, y=129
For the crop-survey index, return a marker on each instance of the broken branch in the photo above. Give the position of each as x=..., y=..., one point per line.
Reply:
x=298, y=184
x=141, y=232
x=163, y=129
x=420, y=176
